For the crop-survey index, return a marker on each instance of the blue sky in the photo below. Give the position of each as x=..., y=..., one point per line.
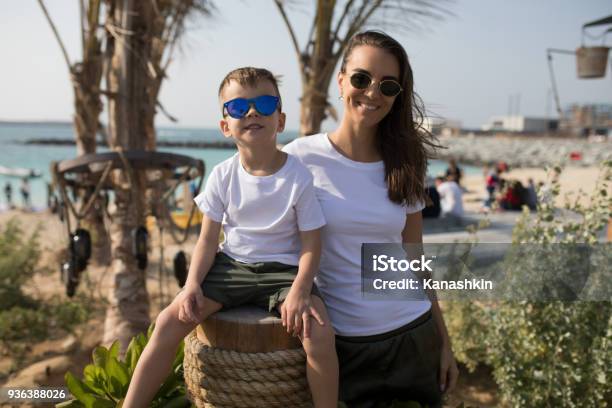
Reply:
x=465, y=66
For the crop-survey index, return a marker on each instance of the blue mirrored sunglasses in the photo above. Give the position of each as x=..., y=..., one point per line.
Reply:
x=265, y=105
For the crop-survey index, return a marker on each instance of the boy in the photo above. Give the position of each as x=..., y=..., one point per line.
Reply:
x=264, y=200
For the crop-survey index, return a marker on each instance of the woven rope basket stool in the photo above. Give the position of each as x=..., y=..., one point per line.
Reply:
x=244, y=358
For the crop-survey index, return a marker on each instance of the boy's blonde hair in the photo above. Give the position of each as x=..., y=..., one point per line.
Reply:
x=250, y=76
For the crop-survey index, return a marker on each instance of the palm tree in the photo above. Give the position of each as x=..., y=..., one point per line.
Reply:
x=85, y=76
x=131, y=43
x=143, y=36
x=333, y=24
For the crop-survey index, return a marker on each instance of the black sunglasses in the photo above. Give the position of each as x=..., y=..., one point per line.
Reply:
x=387, y=87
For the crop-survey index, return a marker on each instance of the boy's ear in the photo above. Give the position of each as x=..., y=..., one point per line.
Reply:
x=281, y=123
x=224, y=126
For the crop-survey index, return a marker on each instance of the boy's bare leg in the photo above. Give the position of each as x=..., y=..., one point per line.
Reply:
x=321, y=359
x=156, y=359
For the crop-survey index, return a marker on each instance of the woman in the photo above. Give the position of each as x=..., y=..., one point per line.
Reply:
x=369, y=176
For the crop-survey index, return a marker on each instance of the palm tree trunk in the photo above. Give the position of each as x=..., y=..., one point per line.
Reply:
x=314, y=92
x=312, y=110
x=128, y=311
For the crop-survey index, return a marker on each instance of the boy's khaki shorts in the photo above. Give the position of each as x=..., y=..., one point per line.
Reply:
x=233, y=283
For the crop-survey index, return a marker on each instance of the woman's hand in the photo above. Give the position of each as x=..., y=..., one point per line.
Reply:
x=296, y=311
x=191, y=301
x=448, y=368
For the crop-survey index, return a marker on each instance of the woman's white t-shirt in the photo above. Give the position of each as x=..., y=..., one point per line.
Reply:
x=261, y=215
x=355, y=203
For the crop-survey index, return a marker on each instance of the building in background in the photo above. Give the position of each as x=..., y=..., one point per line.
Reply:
x=587, y=120
x=522, y=124
x=442, y=126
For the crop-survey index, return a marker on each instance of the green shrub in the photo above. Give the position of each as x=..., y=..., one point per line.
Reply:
x=19, y=323
x=468, y=324
x=547, y=353
x=552, y=354
x=105, y=382
x=23, y=319
x=557, y=353
x=467, y=321
x=18, y=259
x=65, y=315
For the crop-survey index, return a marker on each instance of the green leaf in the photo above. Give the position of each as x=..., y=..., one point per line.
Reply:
x=115, y=389
x=95, y=377
x=180, y=354
x=103, y=403
x=118, y=378
x=141, y=340
x=113, y=352
x=126, y=371
x=132, y=354
x=100, y=355
x=115, y=368
x=168, y=386
x=79, y=390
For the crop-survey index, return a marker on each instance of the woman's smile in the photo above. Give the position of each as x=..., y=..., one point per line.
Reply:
x=367, y=106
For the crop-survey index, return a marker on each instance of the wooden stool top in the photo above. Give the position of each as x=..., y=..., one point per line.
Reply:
x=247, y=329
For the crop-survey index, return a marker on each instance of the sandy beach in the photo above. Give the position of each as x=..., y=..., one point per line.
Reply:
x=572, y=181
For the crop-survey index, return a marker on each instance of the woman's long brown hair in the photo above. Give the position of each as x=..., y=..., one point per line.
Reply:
x=404, y=144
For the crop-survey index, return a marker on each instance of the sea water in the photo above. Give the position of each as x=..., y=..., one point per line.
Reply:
x=14, y=153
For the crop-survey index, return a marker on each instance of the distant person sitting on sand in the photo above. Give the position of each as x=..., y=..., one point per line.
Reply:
x=8, y=193
x=492, y=184
x=432, y=206
x=25, y=192
x=511, y=196
x=451, y=198
x=454, y=170
x=502, y=167
x=531, y=197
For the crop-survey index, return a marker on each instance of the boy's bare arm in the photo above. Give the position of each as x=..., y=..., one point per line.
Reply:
x=297, y=308
x=309, y=259
x=191, y=298
x=204, y=252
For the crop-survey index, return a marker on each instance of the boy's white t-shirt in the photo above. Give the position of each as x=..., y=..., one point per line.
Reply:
x=261, y=215
x=353, y=196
